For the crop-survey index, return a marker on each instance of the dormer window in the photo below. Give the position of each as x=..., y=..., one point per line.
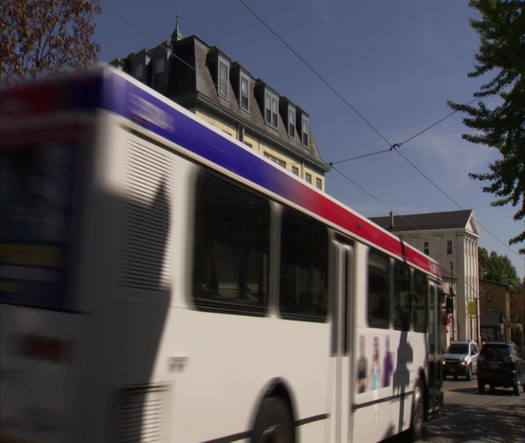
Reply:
x=160, y=65
x=270, y=108
x=305, y=125
x=223, y=77
x=291, y=121
x=138, y=71
x=244, y=92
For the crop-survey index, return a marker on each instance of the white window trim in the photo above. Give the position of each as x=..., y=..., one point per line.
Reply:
x=308, y=177
x=226, y=63
x=305, y=124
x=242, y=77
x=292, y=110
x=271, y=99
x=275, y=159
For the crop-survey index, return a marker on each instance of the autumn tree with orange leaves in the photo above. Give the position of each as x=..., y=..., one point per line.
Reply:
x=45, y=36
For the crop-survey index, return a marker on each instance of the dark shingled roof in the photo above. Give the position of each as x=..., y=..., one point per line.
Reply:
x=431, y=220
x=191, y=81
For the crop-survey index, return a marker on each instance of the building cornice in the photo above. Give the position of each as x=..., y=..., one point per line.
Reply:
x=199, y=98
x=459, y=231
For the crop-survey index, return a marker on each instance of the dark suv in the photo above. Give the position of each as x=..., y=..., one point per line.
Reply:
x=499, y=364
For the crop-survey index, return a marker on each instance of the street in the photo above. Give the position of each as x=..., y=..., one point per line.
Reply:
x=468, y=416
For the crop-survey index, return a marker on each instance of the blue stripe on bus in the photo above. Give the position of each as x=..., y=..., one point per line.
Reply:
x=124, y=98
x=135, y=103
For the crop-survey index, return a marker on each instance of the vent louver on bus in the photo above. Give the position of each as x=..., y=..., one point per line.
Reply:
x=141, y=415
x=148, y=183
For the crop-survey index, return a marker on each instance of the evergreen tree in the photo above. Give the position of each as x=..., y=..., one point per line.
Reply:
x=500, y=125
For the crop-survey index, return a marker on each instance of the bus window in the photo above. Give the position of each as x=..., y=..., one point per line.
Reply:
x=232, y=232
x=402, y=297
x=433, y=335
x=420, y=302
x=378, y=290
x=304, y=268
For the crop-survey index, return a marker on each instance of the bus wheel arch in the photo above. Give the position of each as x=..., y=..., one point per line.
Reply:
x=422, y=381
x=417, y=414
x=419, y=407
x=274, y=411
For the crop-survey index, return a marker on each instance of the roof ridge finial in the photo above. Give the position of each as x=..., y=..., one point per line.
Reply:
x=177, y=34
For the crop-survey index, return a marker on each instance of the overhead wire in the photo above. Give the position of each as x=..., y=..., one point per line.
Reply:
x=317, y=74
x=366, y=191
x=333, y=167
x=149, y=37
x=437, y=122
x=392, y=146
x=398, y=145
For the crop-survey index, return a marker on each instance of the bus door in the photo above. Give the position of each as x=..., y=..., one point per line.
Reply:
x=341, y=341
x=433, y=346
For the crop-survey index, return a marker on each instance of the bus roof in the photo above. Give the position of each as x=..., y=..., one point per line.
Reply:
x=119, y=93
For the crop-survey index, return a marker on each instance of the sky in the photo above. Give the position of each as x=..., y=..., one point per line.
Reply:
x=396, y=63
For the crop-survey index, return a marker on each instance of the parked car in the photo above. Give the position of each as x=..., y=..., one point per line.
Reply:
x=461, y=358
x=500, y=364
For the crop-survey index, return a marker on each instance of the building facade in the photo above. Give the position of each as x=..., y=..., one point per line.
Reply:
x=451, y=238
x=494, y=306
x=206, y=81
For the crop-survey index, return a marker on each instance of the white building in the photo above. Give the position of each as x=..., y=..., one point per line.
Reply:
x=451, y=238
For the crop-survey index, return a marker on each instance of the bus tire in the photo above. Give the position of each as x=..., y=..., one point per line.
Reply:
x=274, y=422
x=418, y=413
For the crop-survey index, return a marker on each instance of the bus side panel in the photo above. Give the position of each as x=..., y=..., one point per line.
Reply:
x=158, y=346
x=387, y=370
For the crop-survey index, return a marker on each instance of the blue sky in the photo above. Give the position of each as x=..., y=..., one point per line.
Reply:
x=397, y=63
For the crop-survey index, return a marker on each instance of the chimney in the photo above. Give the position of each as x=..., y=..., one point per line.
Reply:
x=391, y=220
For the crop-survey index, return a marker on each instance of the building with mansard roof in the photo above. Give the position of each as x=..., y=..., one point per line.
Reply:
x=205, y=80
x=451, y=238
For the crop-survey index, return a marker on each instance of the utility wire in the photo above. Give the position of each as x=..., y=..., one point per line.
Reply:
x=392, y=146
x=136, y=28
x=398, y=145
x=366, y=191
x=140, y=31
x=316, y=73
x=370, y=154
x=429, y=127
x=324, y=81
x=426, y=177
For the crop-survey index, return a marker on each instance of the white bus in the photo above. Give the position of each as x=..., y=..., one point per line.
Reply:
x=161, y=282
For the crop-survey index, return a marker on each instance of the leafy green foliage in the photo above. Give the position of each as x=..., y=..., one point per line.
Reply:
x=45, y=36
x=497, y=268
x=500, y=125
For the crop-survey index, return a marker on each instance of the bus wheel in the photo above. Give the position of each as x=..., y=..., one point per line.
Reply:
x=274, y=423
x=416, y=423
